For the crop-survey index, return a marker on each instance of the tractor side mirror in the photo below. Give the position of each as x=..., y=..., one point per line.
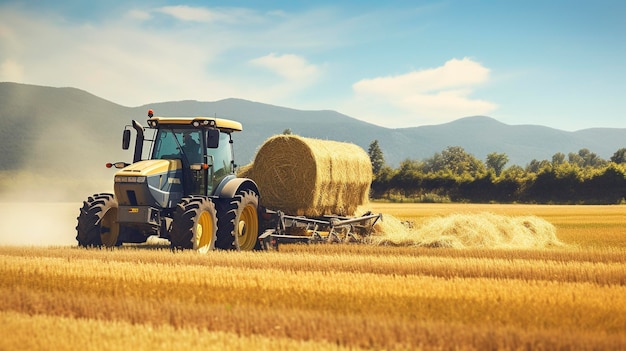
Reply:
x=212, y=138
x=126, y=139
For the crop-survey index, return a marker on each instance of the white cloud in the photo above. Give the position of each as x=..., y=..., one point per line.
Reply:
x=291, y=67
x=132, y=61
x=431, y=95
x=446, y=101
x=118, y=59
x=230, y=15
x=454, y=73
x=290, y=74
x=187, y=13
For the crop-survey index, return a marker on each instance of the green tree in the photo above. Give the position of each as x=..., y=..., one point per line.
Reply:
x=457, y=161
x=376, y=157
x=575, y=158
x=383, y=182
x=536, y=166
x=496, y=162
x=510, y=184
x=434, y=164
x=408, y=177
x=586, y=158
x=619, y=156
x=558, y=159
x=607, y=186
x=514, y=172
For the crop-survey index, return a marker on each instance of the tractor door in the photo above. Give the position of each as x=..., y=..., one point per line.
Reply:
x=222, y=157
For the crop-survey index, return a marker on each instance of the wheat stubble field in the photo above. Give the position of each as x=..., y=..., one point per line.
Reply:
x=569, y=297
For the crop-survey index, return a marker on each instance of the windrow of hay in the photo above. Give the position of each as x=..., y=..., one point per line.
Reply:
x=310, y=177
x=482, y=230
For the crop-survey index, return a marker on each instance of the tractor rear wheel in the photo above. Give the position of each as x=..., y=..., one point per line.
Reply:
x=194, y=224
x=97, y=222
x=239, y=222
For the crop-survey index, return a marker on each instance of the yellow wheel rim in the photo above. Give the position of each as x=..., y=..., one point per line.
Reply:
x=204, y=232
x=248, y=228
x=109, y=228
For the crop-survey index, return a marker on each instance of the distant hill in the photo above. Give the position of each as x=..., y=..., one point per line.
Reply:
x=478, y=135
x=70, y=130
x=481, y=135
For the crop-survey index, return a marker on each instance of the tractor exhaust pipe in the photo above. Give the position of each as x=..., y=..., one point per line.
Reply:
x=138, y=142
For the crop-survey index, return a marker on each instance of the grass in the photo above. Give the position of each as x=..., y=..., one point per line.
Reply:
x=93, y=334
x=330, y=296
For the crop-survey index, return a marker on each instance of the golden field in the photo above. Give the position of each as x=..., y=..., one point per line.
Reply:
x=571, y=296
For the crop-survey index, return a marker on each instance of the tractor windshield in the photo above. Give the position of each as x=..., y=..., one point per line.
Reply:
x=184, y=144
x=188, y=145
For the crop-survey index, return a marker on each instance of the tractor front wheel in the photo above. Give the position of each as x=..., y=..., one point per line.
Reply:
x=194, y=224
x=97, y=222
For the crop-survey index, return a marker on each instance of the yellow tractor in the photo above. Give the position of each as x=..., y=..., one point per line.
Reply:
x=185, y=191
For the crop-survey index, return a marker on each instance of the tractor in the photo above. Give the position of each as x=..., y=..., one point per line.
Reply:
x=185, y=191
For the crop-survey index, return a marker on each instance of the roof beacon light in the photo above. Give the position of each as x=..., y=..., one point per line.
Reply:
x=150, y=113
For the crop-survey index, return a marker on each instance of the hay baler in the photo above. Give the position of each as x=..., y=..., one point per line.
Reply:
x=186, y=191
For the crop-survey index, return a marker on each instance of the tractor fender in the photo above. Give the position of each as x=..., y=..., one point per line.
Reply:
x=230, y=186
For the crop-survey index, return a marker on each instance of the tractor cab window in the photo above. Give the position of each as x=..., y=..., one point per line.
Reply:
x=184, y=144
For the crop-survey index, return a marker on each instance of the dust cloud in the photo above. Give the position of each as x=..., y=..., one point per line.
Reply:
x=55, y=166
x=40, y=210
x=39, y=202
x=38, y=224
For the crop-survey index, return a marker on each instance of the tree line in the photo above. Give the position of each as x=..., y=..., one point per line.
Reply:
x=457, y=176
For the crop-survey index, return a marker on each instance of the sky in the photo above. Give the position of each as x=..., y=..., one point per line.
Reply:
x=395, y=64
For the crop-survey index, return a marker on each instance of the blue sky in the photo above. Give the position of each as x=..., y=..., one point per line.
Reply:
x=397, y=64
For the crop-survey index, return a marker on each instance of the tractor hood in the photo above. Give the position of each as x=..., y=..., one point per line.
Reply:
x=149, y=167
x=150, y=183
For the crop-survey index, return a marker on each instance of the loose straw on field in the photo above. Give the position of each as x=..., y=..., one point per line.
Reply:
x=311, y=177
x=483, y=230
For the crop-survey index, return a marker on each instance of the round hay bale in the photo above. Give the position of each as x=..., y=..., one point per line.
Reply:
x=311, y=177
x=244, y=171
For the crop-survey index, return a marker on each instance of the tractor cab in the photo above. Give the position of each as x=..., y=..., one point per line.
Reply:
x=205, y=155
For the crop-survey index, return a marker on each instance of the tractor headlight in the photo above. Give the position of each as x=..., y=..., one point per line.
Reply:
x=136, y=179
x=124, y=179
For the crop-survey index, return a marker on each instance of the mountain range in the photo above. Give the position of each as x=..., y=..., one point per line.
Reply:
x=71, y=130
